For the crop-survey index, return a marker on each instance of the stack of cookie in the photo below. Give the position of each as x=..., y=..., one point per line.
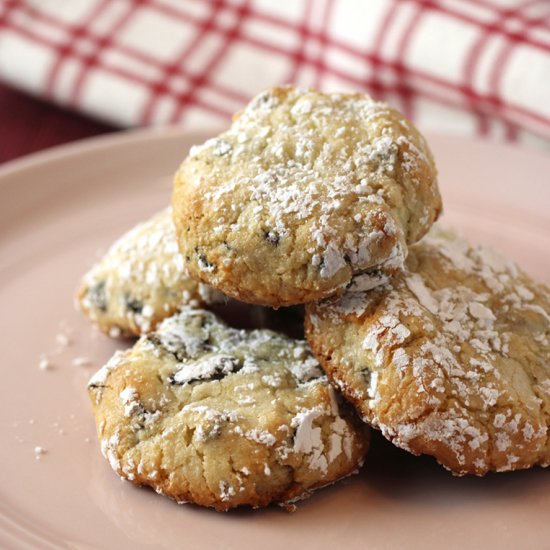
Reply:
x=326, y=200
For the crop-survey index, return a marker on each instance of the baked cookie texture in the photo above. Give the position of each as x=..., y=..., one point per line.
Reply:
x=223, y=417
x=140, y=281
x=304, y=191
x=450, y=359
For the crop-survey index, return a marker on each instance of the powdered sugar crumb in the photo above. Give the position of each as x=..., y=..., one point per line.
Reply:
x=82, y=361
x=39, y=452
x=45, y=363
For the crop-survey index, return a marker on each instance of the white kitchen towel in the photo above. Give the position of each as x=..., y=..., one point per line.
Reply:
x=475, y=67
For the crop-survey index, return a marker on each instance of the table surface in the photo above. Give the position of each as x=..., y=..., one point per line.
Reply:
x=30, y=124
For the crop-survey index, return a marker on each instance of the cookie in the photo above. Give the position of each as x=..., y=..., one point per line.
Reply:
x=140, y=281
x=305, y=191
x=450, y=359
x=223, y=417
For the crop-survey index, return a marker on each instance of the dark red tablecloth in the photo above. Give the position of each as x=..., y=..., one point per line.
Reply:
x=28, y=124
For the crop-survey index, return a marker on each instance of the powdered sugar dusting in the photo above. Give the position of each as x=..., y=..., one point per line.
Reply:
x=460, y=334
x=205, y=368
x=99, y=379
x=308, y=439
x=142, y=278
x=336, y=185
x=253, y=389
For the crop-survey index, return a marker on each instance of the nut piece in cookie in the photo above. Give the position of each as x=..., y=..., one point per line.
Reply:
x=223, y=417
x=140, y=281
x=305, y=191
x=450, y=359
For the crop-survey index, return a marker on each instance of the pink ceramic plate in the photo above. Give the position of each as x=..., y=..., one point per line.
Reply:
x=57, y=210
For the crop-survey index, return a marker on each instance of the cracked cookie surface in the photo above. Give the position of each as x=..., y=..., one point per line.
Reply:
x=223, y=417
x=450, y=359
x=302, y=193
x=140, y=281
